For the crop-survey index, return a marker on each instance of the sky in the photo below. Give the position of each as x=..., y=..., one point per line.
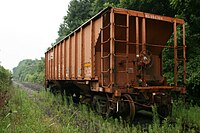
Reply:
x=27, y=28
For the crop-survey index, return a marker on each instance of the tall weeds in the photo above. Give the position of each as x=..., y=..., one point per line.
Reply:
x=44, y=112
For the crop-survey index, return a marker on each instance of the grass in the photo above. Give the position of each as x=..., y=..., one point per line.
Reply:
x=24, y=114
x=39, y=112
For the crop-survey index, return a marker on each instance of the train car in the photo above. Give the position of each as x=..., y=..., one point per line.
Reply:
x=114, y=62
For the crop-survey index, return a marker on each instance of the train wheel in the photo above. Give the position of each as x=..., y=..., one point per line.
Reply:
x=128, y=113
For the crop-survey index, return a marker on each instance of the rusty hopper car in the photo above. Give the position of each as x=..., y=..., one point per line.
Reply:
x=114, y=62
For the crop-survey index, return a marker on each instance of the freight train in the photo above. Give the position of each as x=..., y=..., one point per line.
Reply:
x=113, y=62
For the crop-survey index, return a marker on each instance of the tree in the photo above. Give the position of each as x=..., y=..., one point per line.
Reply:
x=189, y=10
x=5, y=78
x=161, y=7
x=78, y=12
x=98, y=5
x=30, y=70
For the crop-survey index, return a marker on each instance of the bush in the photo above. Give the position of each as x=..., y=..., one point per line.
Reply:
x=5, y=78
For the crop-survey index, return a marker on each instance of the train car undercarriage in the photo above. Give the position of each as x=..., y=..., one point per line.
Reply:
x=124, y=105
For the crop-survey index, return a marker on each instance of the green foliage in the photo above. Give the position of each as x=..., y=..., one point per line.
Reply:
x=78, y=12
x=98, y=5
x=44, y=112
x=189, y=10
x=5, y=78
x=161, y=7
x=25, y=115
x=30, y=71
x=186, y=116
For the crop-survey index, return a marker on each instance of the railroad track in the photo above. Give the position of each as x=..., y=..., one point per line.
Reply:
x=28, y=86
